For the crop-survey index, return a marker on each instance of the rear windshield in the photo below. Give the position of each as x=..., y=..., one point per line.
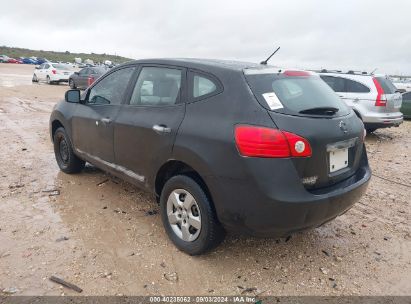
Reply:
x=60, y=67
x=387, y=85
x=99, y=70
x=293, y=95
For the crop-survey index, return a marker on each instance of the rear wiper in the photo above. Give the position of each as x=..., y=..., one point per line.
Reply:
x=320, y=111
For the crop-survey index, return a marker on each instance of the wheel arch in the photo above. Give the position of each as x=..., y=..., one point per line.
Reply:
x=175, y=167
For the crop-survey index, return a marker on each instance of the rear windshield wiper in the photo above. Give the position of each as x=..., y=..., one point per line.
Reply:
x=320, y=111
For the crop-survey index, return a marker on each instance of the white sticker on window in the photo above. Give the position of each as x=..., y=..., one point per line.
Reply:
x=273, y=101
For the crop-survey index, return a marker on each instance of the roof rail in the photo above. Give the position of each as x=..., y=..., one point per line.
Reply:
x=351, y=72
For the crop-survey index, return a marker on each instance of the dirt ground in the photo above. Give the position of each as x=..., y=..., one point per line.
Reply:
x=106, y=236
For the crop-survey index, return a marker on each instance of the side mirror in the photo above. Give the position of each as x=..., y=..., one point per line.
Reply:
x=73, y=96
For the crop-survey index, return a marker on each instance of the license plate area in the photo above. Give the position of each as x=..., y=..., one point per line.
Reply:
x=338, y=154
x=338, y=159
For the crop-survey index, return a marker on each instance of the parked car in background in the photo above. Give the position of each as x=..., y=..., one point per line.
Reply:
x=41, y=60
x=403, y=86
x=28, y=60
x=373, y=97
x=223, y=145
x=51, y=73
x=12, y=60
x=4, y=58
x=406, y=105
x=86, y=76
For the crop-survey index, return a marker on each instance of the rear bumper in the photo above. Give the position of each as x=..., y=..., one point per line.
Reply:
x=256, y=208
x=383, y=120
x=57, y=77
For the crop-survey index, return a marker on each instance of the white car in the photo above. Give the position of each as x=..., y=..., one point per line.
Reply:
x=372, y=97
x=52, y=73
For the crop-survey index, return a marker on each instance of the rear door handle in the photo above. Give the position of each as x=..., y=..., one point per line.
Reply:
x=161, y=129
x=106, y=120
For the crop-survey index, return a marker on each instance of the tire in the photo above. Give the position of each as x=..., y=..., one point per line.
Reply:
x=72, y=84
x=371, y=130
x=67, y=161
x=194, y=241
x=35, y=79
x=48, y=80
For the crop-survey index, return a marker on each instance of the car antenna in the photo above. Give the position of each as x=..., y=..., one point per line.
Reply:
x=372, y=73
x=265, y=61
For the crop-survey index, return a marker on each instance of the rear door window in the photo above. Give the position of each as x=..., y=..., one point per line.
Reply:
x=157, y=86
x=294, y=94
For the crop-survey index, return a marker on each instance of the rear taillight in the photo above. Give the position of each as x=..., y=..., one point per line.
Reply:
x=54, y=71
x=256, y=141
x=381, y=98
x=90, y=80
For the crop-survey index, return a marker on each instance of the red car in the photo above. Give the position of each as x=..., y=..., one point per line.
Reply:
x=12, y=60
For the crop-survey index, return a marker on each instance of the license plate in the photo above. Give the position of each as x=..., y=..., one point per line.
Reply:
x=338, y=159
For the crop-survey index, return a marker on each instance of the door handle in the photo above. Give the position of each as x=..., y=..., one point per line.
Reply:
x=161, y=129
x=106, y=120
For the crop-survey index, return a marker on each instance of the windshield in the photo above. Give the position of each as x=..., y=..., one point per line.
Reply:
x=61, y=67
x=296, y=95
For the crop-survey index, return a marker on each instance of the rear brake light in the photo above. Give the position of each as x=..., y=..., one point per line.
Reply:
x=297, y=73
x=256, y=141
x=54, y=71
x=381, y=99
x=90, y=80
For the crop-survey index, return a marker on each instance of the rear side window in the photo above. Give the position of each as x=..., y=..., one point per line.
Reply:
x=386, y=85
x=157, y=86
x=293, y=95
x=336, y=83
x=355, y=87
x=203, y=86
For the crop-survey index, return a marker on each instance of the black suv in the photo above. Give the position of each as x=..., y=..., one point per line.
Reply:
x=223, y=145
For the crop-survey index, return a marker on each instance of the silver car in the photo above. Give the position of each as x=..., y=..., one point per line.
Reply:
x=372, y=97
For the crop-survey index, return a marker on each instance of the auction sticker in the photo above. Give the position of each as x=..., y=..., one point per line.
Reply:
x=273, y=101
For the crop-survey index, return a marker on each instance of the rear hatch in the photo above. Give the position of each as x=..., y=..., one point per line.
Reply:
x=388, y=94
x=301, y=103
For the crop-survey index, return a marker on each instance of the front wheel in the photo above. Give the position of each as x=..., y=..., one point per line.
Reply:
x=35, y=79
x=188, y=216
x=72, y=84
x=65, y=157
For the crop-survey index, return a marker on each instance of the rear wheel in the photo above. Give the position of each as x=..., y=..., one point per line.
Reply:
x=189, y=217
x=65, y=157
x=48, y=80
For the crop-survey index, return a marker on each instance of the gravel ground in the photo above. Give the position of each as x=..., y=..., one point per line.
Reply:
x=106, y=236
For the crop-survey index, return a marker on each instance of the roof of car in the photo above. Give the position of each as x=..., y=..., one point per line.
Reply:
x=204, y=63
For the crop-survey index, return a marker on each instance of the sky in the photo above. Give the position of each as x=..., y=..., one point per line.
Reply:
x=313, y=34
